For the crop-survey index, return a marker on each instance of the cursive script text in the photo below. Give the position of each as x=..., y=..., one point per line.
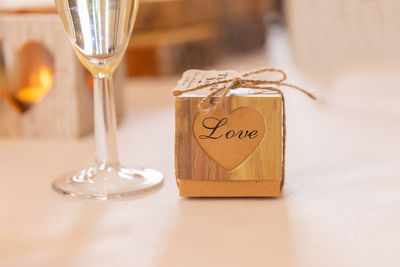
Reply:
x=213, y=124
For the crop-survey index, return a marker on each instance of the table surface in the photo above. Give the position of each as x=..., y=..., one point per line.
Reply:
x=340, y=206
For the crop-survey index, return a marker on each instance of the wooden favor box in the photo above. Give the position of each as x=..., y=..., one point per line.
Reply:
x=66, y=111
x=260, y=175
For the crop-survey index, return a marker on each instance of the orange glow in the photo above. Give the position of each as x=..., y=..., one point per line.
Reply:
x=40, y=83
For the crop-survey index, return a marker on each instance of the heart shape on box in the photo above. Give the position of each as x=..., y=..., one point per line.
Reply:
x=229, y=139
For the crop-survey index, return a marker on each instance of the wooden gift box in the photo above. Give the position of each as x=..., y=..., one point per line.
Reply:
x=260, y=175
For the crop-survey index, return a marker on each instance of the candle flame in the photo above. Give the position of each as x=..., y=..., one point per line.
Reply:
x=40, y=83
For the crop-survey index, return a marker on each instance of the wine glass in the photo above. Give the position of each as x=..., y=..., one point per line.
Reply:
x=99, y=31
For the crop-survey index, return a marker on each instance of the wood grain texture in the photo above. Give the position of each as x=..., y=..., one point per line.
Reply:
x=67, y=110
x=192, y=163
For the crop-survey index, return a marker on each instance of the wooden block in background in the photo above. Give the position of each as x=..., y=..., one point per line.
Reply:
x=234, y=10
x=164, y=14
x=67, y=109
x=171, y=36
x=237, y=36
x=174, y=50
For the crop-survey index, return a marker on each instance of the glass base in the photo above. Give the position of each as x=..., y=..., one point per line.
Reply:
x=107, y=182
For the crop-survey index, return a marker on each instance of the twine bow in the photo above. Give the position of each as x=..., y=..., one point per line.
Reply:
x=244, y=81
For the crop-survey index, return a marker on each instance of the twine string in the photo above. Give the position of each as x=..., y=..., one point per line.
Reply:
x=244, y=81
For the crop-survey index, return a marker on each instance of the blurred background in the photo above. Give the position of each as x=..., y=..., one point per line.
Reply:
x=342, y=151
x=323, y=40
x=171, y=36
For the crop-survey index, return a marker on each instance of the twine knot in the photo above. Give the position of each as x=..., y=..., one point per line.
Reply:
x=242, y=81
x=236, y=83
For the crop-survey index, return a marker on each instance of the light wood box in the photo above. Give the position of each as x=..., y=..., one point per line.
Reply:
x=199, y=176
x=67, y=109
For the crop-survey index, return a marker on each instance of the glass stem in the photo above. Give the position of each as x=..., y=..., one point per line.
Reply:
x=105, y=124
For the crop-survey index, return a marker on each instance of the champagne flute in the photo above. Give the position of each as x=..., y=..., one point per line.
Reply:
x=99, y=31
